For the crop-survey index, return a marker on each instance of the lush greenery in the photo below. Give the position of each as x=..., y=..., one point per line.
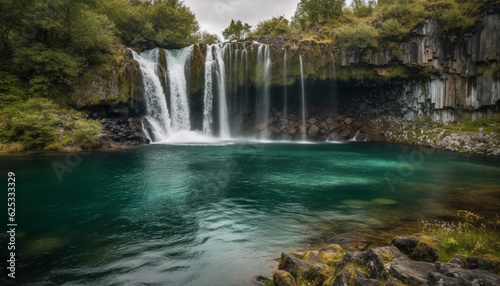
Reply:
x=369, y=24
x=236, y=31
x=274, y=27
x=472, y=236
x=46, y=46
x=38, y=124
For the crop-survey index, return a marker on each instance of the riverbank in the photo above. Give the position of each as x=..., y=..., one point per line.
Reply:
x=408, y=261
x=481, y=136
x=464, y=252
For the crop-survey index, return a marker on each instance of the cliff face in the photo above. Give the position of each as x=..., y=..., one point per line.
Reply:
x=465, y=74
x=113, y=87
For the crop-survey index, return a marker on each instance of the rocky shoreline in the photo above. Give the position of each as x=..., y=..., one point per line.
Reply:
x=408, y=261
x=478, y=142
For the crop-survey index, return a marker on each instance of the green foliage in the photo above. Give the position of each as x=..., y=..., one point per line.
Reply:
x=36, y=124
x=361, y=36
x=362, y=8
x=32, y=123
x=86, y=133
x=11, y=90
x=277, y=26
x=312, y=12
x=206, y=38
x=392, y=30
x=165, y=23
x=46, y=68
x=473, y=235
x=92, y=32
x=236, y=31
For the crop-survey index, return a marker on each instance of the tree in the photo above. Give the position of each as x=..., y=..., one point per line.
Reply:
x=206, y=38
x=33, y=123
x=274, y=27
x=236, y=31
x=362, y=8
x=310, y=12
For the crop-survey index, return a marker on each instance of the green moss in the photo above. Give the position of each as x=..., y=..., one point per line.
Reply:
x=386, y=258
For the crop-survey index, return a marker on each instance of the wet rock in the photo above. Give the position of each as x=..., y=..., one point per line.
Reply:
x=313, y=131
x=283, y=278
x=416, y=248
x=312, y=120
x=319, y=272
x=388, y=253
x=345, y=133
x=302, y=129
x=353, y=276
x=335, y=137
x=453, y=274
x=410, y=272
x=293, y=265
x=368, y=259
x=283, y=121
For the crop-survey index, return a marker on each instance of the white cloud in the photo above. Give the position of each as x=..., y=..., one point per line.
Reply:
x=215, y=15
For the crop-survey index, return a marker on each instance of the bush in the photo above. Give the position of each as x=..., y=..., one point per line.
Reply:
x=32, y=123
x=276, y=26
x=392, y=30
x=86, y=133
x=362, y=36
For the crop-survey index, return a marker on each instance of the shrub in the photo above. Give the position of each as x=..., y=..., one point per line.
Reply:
x=86, y=133
x=32, y=123
x=362, y=36
x=276, y=26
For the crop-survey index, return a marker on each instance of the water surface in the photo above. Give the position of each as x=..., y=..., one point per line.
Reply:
x=220, y=214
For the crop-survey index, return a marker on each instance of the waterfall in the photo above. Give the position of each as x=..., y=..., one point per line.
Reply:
x=221, y=76
x=178, y=67
x=285, y=87
x=334, y=85
x=208, y=95
x=158, y=118
x=263, y=72
x=226, y=84
x=304, y=135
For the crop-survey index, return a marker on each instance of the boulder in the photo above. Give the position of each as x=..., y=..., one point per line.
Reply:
x=410, y=272
x=348, y=121
x=416, y=248
x=345, y=133
x=312, y=120
x=292, y=264
x=283, y=278
x=453, y=274
x=283, y=121
x=371, y=261
x=313, y=131
x=388, y=253
x=335, y=137
x=353, y=276
x=302, y=129
x=320, y=273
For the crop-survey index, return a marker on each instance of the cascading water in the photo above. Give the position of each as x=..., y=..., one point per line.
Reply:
x=226, y=84
x=263, y=72
x=221, y=76
x=157, y=118
x=304, y=132
x=178, y=66
x=208, y=95
x=285, y=86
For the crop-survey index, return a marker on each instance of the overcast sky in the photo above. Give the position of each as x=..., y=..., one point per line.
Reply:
x=215, y=15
